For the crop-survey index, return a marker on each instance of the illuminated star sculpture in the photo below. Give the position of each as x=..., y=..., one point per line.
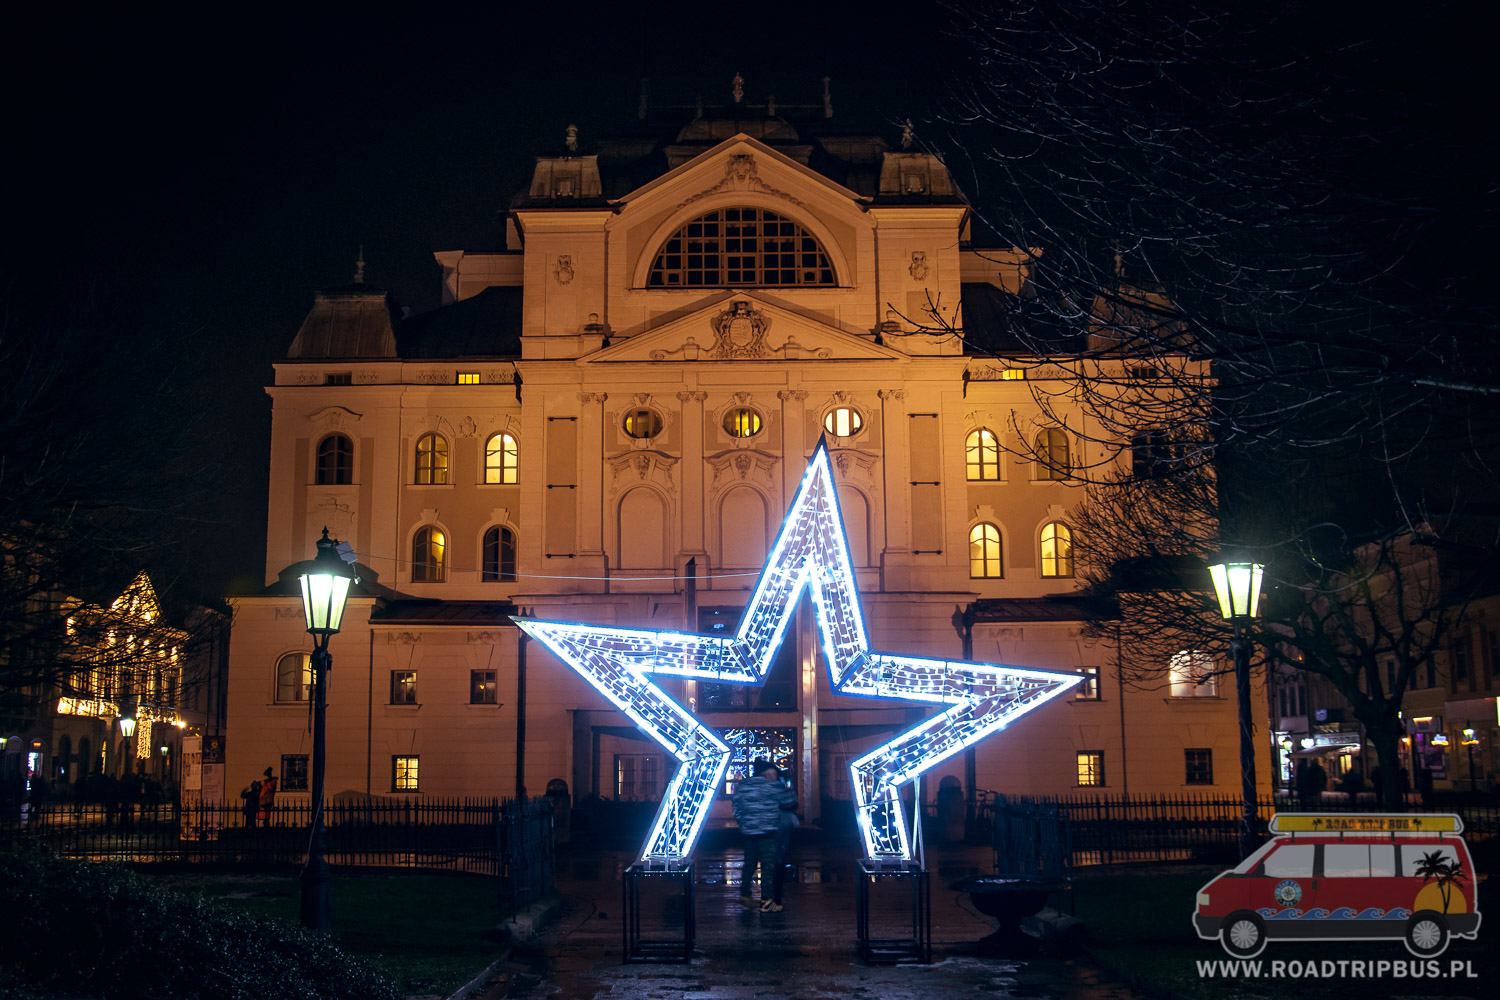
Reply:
x=810, y=550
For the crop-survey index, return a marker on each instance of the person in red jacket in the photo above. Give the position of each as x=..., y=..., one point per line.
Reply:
x=267, y=796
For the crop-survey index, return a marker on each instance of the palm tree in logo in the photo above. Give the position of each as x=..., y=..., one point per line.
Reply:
x=1447, y=874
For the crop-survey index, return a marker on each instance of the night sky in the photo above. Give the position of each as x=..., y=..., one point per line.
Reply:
x=203, y=176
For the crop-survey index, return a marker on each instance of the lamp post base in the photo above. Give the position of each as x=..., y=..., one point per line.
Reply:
x=315, y=910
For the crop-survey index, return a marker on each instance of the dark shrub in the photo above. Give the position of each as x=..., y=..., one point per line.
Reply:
x=90, y=930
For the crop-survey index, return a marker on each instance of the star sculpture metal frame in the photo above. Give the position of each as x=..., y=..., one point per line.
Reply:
x=811, y=550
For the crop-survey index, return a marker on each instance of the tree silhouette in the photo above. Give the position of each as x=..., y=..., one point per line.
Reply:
x=1431, y=867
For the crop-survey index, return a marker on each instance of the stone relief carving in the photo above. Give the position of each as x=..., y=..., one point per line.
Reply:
x=365, y=378
x=742, y=466
x=467, y=427
x=330, y=510
x=333, y=418
x=563, y=272
x=741, y=173
x=918, y=266
x=499, y=376
x=788, y=395
x=290, y=611
x=403, y=638
x=893, y=394
x=489, y=638
x=592, y=397
x=641, y=399
x=642, y=467
x=433, y=378
x=309, y=379
x=689, y=350
x=694, y=395
x=857, y=468
x=739, y=332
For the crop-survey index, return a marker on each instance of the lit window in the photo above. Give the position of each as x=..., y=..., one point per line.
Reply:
x=740, y=246
x=432, y=460
x=335, y=466
x=428, y=549
x=982, y=452
x=1057, y=550
x=293, y=677
x=984, y=552
x=1052, y=461
x=499, y=557
x=742, y=422
x=501, y=461
x=638, y=777
x=643, y=423
x=481, y=687
x=843, y=421
x=293, y=772
x=404, y=775
x=746, y=746
x=468, y=378
x=1200, y=766
x=1089, y=690
x=1191, y=674
x=403, y=687
x=1014, y=375
x=1090, y=768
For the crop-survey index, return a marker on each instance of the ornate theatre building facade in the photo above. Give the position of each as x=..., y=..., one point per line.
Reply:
x=605, y=422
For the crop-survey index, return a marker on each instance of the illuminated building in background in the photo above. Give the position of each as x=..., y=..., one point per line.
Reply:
x=606, y=421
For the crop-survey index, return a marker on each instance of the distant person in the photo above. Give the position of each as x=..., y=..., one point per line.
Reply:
x=267, y=796
x=758, y=804
x=1314, y=783
x=787, y=821
x=251, y=805
x=1353, y=784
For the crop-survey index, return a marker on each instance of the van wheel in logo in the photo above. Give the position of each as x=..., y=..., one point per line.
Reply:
x=1243, y=934
x=1426, y=934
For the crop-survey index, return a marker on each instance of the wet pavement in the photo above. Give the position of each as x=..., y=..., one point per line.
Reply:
x=806, y=952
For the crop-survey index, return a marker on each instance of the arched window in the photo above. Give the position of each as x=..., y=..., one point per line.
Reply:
x=740, y=246
x=1052, y=461
x=1057, y=549
x=984, y=552
x=428, y=551
x=85, y=758
x=500, y=460
x=294, y=677
x=982, y=453
x=432, y=460
x=499, y=559
x=335, y=461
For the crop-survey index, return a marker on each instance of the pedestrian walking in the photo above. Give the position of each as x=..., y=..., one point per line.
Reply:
x=758, y=803
x=267, y=796
x=251, y=803
x=786, y=821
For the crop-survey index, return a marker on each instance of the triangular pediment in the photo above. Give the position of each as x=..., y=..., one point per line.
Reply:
x=742, y=163
x=744, y=326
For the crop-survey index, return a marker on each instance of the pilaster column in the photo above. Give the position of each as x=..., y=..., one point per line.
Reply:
x=693, y=499
x=793, y=436
x=591, y=474
x=897, y=470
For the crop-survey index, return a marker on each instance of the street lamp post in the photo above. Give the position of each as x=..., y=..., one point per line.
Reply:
x=1237, y=586
x=325, y=583
x=1470, y=741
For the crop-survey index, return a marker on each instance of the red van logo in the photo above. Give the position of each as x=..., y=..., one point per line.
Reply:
x=1349, y=877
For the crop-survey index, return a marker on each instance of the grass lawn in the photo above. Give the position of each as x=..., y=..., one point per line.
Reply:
x=429, y=933
x=1141, y=921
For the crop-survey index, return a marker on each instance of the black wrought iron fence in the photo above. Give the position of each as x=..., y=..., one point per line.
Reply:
x=509, y=839
x=1109, y=830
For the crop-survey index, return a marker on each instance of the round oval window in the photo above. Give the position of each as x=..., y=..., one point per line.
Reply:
x=742, y=422
x=843, y=421
x=642, y=423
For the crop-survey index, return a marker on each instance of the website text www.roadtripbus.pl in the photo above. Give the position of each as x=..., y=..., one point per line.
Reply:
x=1335, y=968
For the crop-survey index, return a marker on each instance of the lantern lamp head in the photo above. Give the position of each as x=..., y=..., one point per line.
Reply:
x=325, y=583
x=1237, y=585
x=127, y=727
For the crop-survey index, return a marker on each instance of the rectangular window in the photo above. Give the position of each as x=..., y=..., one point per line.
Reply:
x=1458, y=655
x=638, y=777
x=779, y=691
x=746, y=746
x=468, y=378
x=1089, y=690
x=482, y=687
x=293, y=772
x=403, y=687
x=1192, y=675
x=338, y=378
x=1090, y=768
x=1346, y=861
x=404, y=775
x=1291, y=861
x=1200, y=766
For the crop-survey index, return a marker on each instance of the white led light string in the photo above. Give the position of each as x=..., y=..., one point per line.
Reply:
x=810, y=549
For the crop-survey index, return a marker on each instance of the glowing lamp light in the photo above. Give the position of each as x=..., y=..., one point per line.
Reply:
x=1469, y=738
x=811, y=550
x=1440, y=740
x=127, y=727
x=1237, y=586
x=325, y=583
x=1308, y=743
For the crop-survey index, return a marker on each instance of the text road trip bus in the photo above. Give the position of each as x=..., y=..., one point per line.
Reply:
x=1350, y=877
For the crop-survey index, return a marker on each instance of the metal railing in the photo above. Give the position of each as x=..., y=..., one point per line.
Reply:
x=509, y=839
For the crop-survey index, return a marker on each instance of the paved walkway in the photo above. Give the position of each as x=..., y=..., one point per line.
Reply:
x=808, y=951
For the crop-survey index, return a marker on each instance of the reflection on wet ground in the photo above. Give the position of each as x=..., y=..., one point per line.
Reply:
x=806, y=952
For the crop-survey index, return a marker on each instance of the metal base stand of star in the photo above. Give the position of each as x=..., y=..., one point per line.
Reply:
x=811, y=550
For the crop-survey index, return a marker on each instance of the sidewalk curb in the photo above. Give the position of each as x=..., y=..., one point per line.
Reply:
x=522, y=927
x=1137, y=983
